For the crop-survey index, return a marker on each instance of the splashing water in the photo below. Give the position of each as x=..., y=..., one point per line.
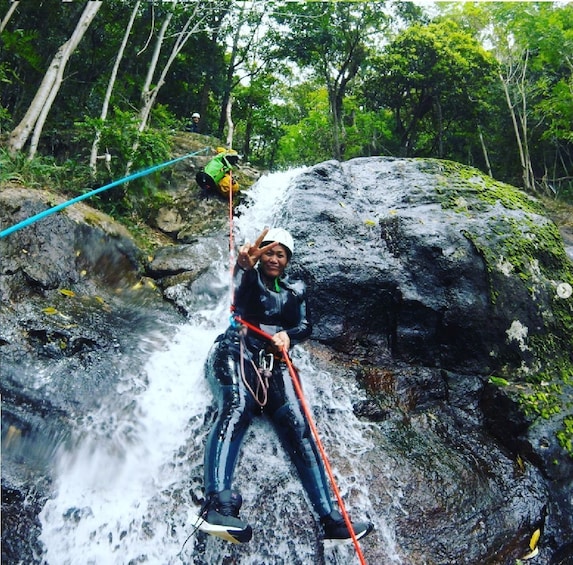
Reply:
x=129, y=491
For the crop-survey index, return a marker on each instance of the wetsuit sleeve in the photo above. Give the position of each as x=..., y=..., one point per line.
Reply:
x=303, y=329
x=238, y=274
x=245, y=285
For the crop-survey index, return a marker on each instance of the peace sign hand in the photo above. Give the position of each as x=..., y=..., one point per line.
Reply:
x=249, y=253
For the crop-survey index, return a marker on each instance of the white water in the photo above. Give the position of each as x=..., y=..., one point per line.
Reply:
x=122, y=494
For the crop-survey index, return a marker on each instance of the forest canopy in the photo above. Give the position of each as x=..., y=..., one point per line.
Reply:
x=489, y=84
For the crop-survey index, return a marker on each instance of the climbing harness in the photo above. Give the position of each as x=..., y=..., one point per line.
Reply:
x=260, y=393
x=59, y=207
x=263, y=371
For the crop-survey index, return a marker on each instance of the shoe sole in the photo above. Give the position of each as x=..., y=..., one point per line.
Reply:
x=230, y=534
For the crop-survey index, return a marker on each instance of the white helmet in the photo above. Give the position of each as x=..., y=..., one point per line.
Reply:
x=195, y=115
x=282, y=236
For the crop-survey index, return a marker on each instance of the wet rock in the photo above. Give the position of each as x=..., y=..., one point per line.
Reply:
x=435, y=265
x=169, y=221
x=72, y=306
x=20, y=524
x=427, y=282
x=176, y=269
x=427, y=251
x=192, y=212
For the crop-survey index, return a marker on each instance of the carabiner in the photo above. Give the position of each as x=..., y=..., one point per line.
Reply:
x=266, y=361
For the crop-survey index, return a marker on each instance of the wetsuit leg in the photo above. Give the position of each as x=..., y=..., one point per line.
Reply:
x=294, y=431
x=234, y=414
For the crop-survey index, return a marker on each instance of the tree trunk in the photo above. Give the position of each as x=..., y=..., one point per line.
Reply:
x=148, y=94
x=206, y=127
x=214, y=26
x=520, y=136
x=41, y=104
x=230, y=125
x=529, y=179
x=110, y=85
x=231, y=68
x=485, y=154
x=513, y=120
x=336, y=152
x=440, y=120
x=8, y=15
x=248, y=133
x=146, y=89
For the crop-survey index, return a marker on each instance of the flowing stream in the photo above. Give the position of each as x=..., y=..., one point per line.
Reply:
x=128, y=489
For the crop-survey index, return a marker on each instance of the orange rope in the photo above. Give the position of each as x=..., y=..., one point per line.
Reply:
x=231, y=241
x=297, y=387
x=314, y=430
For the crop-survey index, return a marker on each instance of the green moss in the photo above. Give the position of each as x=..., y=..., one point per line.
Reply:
x=565, y=435
x=93, y=219
x=520, y=243
x=466, y=189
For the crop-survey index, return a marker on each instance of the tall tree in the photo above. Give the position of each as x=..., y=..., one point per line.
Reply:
x=213, y=62
x=434, y=78
x=248, y=56
x=519, y=112
x=8, y=15
x=38, y=110
x=332, y=40
x=533, y=42
x=111, y=83
x=192, y=22
x=538, y=42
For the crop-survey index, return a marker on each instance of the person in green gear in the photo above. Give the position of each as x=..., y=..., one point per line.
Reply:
x=217, y=174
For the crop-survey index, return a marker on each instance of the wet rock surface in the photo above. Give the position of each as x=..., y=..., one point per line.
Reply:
x=420, y=291
x=72, y=303
x=457, y=277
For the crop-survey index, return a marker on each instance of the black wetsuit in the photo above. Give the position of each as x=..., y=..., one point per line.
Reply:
x=282, y=308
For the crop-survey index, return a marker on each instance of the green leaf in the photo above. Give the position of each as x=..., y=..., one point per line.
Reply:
x=499, y=381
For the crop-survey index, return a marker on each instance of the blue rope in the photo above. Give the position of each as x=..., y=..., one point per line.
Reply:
x=59, y=207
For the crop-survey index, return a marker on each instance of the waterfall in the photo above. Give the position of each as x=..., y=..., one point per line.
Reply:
x=127, y=489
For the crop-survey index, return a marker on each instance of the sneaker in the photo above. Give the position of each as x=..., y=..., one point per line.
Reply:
x=336, y=531
x=220, y=517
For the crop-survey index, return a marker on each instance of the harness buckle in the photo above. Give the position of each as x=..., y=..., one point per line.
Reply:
x=266, y=361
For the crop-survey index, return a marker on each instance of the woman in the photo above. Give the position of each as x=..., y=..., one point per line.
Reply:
x=249, y=378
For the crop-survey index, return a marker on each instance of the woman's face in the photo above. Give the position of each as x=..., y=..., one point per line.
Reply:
x=274, y=261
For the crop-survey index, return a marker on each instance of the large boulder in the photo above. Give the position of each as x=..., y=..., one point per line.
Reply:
x=434, y=261
x=436, y=265
x=448, y=296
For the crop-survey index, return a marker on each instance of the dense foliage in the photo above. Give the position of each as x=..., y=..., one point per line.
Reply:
x=487, y=84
